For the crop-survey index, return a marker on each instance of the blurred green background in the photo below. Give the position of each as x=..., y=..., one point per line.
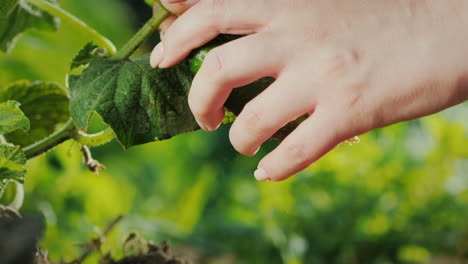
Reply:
x=400, y=196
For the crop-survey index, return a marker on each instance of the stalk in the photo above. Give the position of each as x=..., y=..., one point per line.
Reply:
x=68, y=131
x=62, y=135
x=93, y=140
x=149, y=28
x=97, y=38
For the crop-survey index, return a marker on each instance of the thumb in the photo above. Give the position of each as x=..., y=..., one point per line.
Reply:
x=178, y=6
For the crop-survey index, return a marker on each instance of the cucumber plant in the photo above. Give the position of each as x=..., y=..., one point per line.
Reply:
x=140, y=104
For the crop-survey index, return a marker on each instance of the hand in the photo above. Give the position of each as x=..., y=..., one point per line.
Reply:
x=352, y=65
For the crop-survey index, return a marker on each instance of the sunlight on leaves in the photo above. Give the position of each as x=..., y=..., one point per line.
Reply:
x=18, y=16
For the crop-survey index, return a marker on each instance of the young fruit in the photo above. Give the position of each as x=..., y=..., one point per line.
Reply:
x=240, y=96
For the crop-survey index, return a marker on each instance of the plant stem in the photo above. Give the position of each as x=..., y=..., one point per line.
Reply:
x=93, y=140
x=99, y=39
x=96, y=243
x=66, y=132
x=69, y=131
x=149, y=28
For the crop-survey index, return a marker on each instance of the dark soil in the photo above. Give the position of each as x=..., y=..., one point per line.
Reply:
x=157, y=254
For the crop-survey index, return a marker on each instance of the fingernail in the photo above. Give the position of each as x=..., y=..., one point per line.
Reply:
x=261, y=175
x=210, y=128
x=202, y=126
x=157, y=55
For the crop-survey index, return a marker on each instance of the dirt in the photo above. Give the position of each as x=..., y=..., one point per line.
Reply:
x=156, y=254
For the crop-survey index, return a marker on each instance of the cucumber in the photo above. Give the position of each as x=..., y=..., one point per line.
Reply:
x=240, y=96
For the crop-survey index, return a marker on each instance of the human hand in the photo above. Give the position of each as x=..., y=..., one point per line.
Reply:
x=352, y=65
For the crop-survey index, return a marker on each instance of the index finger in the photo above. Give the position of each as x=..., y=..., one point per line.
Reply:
x=206, y=20
x=178, y=6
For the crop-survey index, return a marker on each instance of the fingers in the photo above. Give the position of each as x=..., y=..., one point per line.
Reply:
x=166, y=23
x=164, y=26
x=156, y=55
x=268, y=112
x=204, y=21
x=224, y=69
x=178, y=6
x=312, y=139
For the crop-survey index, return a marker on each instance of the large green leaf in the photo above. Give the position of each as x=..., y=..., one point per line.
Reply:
x=6, y=7
x=45, y=103
x=12, y=118
x=17, y=16
x=12, y=163
x=140, y=103
x=143, y=104
x=86, y=55
x=12, y=158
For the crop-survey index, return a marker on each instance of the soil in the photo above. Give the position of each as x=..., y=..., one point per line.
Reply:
x=157, y=254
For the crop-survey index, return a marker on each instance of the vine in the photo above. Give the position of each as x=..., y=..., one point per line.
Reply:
x=13, y=157
x=69, y=130
x=75, y=22
x=149, y=28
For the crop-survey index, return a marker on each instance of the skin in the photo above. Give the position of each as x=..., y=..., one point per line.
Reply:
x=353, y=65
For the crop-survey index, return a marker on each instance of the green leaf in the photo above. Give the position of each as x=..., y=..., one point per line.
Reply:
x=6, y=6
x=17, y=16
x=11, y=117
x=140, y=103
x=86, y=54
x=12, y=158
x=12, y=163
x=45, y=103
